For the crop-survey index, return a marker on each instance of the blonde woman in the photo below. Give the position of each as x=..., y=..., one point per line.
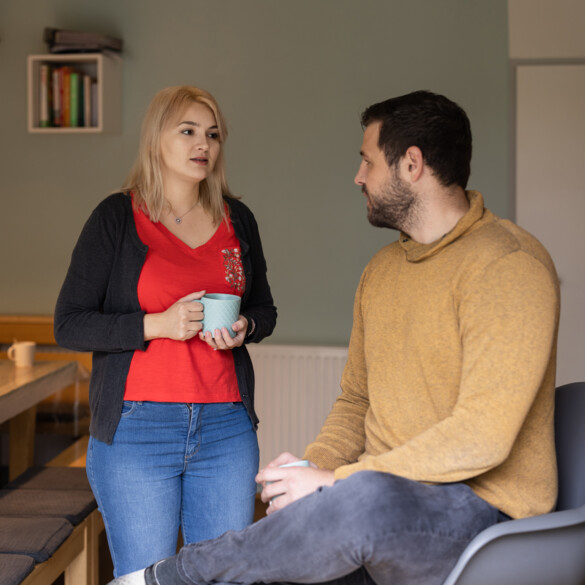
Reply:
x=173, y=428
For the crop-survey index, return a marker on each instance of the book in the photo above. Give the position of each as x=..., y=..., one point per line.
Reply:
x=74, y=99
x=70, y=41
x=86, y=101
x=57, y=97
x=94, y=104
x=65, y=96
x=45, y=94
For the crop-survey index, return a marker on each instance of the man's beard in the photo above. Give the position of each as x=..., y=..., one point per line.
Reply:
x=394, y=207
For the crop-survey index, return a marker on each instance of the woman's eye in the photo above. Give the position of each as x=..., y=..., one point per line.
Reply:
x=213, y=135
x=187, y=131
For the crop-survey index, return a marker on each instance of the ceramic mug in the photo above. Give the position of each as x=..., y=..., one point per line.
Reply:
x=301, y=463
x=22, y=353
x=220, y=310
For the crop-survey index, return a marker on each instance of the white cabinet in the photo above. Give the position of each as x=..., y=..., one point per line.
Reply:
x=103, y=98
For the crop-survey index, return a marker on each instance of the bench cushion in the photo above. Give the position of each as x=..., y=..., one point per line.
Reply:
x=38, y=538
x=14, y=568
x=74, y=505
x=51, y=478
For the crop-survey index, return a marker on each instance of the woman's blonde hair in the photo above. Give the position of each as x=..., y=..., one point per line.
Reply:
x=145, y=178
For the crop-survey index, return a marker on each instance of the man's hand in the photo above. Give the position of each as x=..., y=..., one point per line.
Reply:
x=283, y=485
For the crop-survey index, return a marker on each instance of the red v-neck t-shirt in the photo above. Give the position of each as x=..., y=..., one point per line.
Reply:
x=184, y=371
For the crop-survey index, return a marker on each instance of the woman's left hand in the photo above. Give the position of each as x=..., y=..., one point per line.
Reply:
x=223, y=340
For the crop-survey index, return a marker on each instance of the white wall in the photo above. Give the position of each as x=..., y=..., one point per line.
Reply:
x=547, y=45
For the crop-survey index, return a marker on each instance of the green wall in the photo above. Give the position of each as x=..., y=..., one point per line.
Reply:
x=292, y=78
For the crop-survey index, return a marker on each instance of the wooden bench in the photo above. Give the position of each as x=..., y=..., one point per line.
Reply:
x=78, y=556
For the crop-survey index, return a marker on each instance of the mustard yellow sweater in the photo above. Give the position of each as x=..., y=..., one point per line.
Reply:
x=451, y=366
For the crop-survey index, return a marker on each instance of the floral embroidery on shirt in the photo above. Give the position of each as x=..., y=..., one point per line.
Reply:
x=234, y=271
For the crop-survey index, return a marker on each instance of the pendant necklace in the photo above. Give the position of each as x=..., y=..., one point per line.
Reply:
x=179, y=219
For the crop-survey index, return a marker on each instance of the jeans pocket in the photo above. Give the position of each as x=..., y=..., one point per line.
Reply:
x=128, y=407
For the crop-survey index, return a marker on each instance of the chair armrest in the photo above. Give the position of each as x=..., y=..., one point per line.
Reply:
x=532, y=551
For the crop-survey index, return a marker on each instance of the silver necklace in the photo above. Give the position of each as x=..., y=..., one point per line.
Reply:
x=179, y=219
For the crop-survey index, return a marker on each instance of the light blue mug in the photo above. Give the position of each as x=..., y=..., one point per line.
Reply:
x=220, y=310
x=301, y=463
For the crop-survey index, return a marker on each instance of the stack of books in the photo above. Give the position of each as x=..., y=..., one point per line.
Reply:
x=68, y=97
x=70, y=41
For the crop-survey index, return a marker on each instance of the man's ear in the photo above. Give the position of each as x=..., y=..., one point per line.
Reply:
x=413, y=163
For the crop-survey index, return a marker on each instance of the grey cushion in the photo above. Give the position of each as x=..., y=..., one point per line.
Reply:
x=74, y=505
x=38, y=538
x=51, y=478
x=14, y=568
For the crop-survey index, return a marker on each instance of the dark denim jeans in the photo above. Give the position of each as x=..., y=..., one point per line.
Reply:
x=369, y=528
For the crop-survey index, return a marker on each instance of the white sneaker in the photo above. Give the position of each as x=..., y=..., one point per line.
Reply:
x=136, y=578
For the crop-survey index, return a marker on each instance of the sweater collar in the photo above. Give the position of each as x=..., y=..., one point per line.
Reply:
x=415, y=252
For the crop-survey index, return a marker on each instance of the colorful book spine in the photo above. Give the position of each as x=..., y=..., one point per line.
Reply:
x=66, y=96
x=74, y=99
x=45, y=113
x=94, y=103
x=57, y=101
x=87, y=101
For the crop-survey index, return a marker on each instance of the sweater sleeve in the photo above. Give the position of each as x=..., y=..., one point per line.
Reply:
x=508, y=323
x=82, y=321
x=342, y=438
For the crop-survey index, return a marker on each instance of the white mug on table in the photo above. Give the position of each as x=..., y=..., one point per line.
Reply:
x=22, y=353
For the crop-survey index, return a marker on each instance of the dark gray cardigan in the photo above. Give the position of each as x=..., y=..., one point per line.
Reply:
x=98, y=309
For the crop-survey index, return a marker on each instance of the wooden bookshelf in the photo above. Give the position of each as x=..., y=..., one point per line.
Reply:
x=104, y=68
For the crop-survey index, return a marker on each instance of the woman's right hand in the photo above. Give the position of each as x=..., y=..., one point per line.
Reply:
x=181, y=321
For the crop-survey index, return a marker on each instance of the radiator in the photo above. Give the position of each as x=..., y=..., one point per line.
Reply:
x=295, y=389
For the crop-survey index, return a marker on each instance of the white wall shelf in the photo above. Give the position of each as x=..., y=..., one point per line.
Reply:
x=104, y=68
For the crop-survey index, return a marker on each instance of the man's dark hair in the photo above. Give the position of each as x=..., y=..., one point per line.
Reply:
x=438, y=126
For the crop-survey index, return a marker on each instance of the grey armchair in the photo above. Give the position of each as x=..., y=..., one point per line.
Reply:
x=547, y=549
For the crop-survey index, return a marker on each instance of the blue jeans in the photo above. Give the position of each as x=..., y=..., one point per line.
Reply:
x=171, y=465
x=369, y=528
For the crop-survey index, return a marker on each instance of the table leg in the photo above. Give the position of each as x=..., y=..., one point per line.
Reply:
x=22, y=442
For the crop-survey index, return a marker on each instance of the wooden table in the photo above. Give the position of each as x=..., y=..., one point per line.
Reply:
x=21, y=389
